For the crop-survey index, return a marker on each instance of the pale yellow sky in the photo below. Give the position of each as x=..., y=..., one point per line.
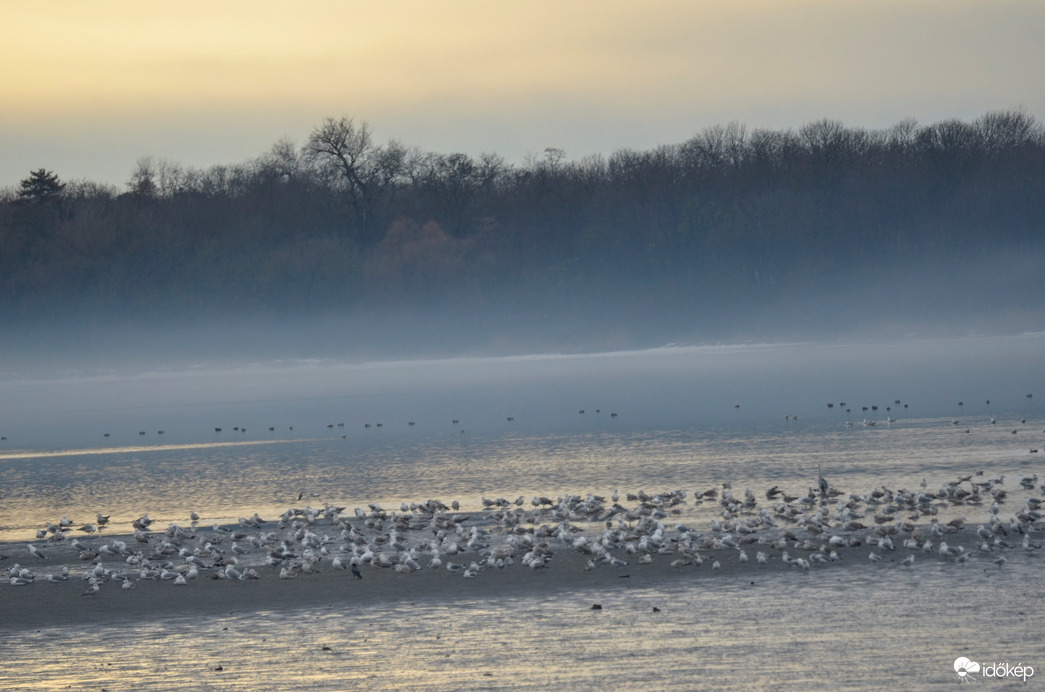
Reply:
x=90, y=87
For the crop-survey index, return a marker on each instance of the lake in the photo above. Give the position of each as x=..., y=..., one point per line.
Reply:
x=267, y=436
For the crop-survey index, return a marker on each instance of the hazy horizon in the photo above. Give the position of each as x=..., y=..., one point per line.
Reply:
x=91, y=89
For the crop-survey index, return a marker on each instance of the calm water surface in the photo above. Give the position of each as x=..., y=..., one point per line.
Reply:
x=862, y=627
x=685, y=418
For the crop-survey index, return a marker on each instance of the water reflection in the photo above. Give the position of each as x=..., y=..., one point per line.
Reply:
x=786, y=630
x=678, y=427
x=224, y=481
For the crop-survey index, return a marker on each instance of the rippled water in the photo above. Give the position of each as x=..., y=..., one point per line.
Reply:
x=222, y=482
x=686, y=418
x=863, y=628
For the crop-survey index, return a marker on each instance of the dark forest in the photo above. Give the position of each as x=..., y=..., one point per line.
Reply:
x=732, y=233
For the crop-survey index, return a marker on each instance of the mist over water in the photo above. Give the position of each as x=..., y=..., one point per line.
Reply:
x=251, y=438
x=659, y=388
x=691, y=417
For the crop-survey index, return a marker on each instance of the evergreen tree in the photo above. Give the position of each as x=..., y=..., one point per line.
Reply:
x=42, y=186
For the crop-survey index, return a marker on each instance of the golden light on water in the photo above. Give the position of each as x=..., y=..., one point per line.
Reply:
x=138, y=449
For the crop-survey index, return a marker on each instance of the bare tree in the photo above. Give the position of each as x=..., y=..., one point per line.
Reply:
x=143, y=179
x=451, y=182
x=1005, y=130
x=717, y=148
x=282, y=162
x=367, y=173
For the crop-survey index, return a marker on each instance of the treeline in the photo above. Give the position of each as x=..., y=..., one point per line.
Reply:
x=732, y=217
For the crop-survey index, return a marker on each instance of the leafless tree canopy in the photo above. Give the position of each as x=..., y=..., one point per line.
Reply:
x=733, y=217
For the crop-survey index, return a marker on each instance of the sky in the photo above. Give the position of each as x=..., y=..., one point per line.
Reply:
x=90, y=88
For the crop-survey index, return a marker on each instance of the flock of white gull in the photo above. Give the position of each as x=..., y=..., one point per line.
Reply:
x=801, y=531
